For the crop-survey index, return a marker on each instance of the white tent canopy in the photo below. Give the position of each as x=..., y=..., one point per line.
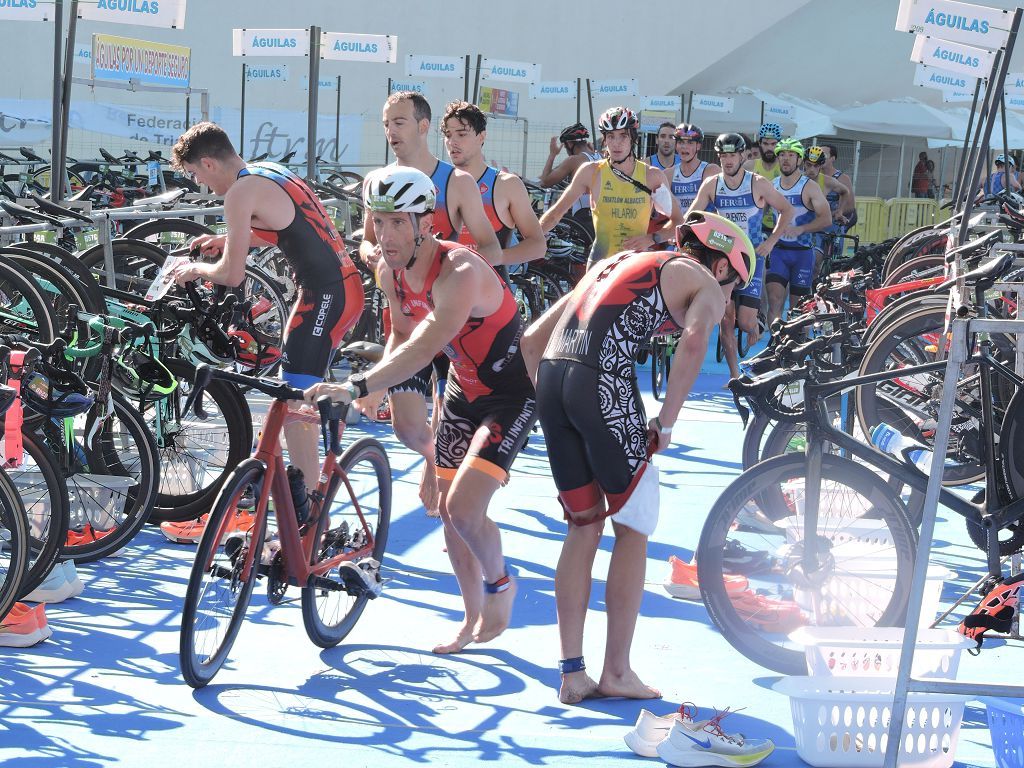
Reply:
x=901, y=117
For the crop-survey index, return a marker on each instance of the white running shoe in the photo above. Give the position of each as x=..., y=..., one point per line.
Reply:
x=691, y=744
x=650, y=730
x=71, y=574
x=55, y=588
x=365, y=573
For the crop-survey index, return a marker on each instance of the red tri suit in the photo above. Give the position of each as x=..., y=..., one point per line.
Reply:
x=488, y=386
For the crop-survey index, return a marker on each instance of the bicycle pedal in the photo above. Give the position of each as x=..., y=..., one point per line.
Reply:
x=362, y=577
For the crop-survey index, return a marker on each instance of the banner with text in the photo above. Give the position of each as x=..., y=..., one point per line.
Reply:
x=964, y=59
x=1015, y=102
x=148, y=13
x=262, y=73
x=498, y=101
x=26, y=10
x=712, y=103
x=941, y=79
x=421, y=65
x=774, y=110
x=23, y=125
x=345, y=46
x=957, y=97
x=511, y=71
x=270, y=42
x=975, y=25
x=408, y=85
x=614, y=88
x=1014, y=84
x=123, y=58
x=652, y=119
x=83, y=55
x=662, y=103
x=553, y=89
x=325, y=83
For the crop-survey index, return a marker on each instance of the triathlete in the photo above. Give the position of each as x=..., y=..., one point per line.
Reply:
x=446, y=297
x=830, y=170
x=691, y=171
x=766, y=163
x=840, y=204
x=742, y=196
x=791, y=265
x=1001, y=178
x=267, y=204
x=576, y=141
x=407, y=123
x=665, y=156
x=623, y=190
x=597, y=432
x=504, y=195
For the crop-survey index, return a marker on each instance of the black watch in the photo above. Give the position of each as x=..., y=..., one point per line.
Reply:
x=359, y=382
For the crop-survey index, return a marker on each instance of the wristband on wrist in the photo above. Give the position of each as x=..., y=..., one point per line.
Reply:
x=358, y=382
x=661, y=429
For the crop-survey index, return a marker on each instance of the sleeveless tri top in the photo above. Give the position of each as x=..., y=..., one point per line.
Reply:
x=684, y=187
x=620, y=210
x=738, y=205
x=311, y=244
x=655, y=162
x=795, y=197
x=487, y=181
x=485, y=352
x=443, y=226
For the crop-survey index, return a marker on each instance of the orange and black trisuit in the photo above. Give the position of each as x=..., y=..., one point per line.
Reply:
x=488, y=387
x=330, y=296
x=589, y=402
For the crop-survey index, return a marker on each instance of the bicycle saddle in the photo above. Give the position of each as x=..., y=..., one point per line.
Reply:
x=108, y=157
x=973, y=246
x=24, y=215
x=83, y=194
x=163, y=199
x=366, y=350
x=46, y=206
x=29, y=155
x=985, y=276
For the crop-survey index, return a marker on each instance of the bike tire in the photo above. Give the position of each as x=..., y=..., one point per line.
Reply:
x=13, y=546
x=182, y=495
x=213, y=567
x=846, y=588
x=328, y=621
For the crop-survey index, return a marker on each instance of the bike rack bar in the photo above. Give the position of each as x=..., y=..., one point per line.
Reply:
x=958, y=353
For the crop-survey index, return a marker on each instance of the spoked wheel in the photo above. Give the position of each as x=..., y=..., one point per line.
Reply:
x=219, y=590
x=760, y=583
x=661, y=366
x=349, y=522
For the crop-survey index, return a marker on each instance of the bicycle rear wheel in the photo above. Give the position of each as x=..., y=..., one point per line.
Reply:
x=661, y=366
x=218, y=592
x=13, y=547
x=751, y=569
x=329, y=612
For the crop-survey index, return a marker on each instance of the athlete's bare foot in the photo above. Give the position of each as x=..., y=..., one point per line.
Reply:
x=627, y=686
x=577, y=686
x=464, y=638
x=429, y=494
x=496, y=613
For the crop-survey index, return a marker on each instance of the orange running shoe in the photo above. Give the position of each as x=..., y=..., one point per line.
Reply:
x=994, y=613
x=188, y=532
x=87, y=535
x=24, y=626
x=768, y=614
x=682, y=581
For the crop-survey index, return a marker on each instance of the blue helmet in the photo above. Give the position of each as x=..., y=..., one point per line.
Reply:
x=770, y=131
x=1002, y=159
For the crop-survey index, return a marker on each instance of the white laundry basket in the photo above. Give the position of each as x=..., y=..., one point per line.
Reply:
x=843, y=722
x=876, y=651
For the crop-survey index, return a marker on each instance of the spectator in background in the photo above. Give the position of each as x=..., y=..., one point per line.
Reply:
x=921, y=181
x=1000, y=178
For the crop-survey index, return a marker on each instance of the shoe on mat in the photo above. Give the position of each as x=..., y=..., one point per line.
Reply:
x=704, y=742
x=21, y=627
x=71, y=574
x=187, y=532
x=87, y=535
x=768, y=614
x=682, y=581
x=55, y=588
x=738, y=559
x=650, y=730
x=365, y=575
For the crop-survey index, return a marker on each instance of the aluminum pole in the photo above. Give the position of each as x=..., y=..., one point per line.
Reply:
x=962, y=160
x=388, y=146
x=579, y=104
x=856, y=166
x=899, y=175
x=56, y=186
x=337, y=122
x=590, y=106
x=465, y=84
x=58, y=164
x=476, y=77
x=314, y=96
x=241, y=127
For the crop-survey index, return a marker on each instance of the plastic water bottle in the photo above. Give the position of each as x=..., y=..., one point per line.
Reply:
x=297, y=485
x=887, y=438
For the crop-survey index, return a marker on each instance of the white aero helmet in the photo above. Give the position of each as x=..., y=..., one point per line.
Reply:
x=397, y=189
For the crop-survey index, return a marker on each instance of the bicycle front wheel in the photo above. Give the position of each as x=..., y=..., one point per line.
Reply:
x=759, y=585
x=328, y=610
x=218, y=589
x=14, y=551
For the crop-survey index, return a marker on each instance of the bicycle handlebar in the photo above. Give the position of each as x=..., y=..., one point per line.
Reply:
x=205, y=373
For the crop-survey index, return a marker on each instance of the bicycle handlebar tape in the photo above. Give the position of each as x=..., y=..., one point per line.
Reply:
x=195, y=399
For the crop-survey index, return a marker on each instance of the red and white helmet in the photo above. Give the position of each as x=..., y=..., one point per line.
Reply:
x=617, y=118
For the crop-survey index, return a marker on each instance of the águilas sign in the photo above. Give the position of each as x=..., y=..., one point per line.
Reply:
x=148, y=13
x=270, y=42
x=512, y=71
x=262, y=73
x=712, y=103
x=553, y=89
x=25, y=10
x=955, y=57
x=346, y=46
x=663, y=103
x=614, y=88
x=419, y=65
x=943, y=80
x=975, y=25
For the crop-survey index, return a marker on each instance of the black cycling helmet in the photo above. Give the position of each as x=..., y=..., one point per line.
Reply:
x=730, y=142
x=617, y=118
x=689, y=132
x=575, y=132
